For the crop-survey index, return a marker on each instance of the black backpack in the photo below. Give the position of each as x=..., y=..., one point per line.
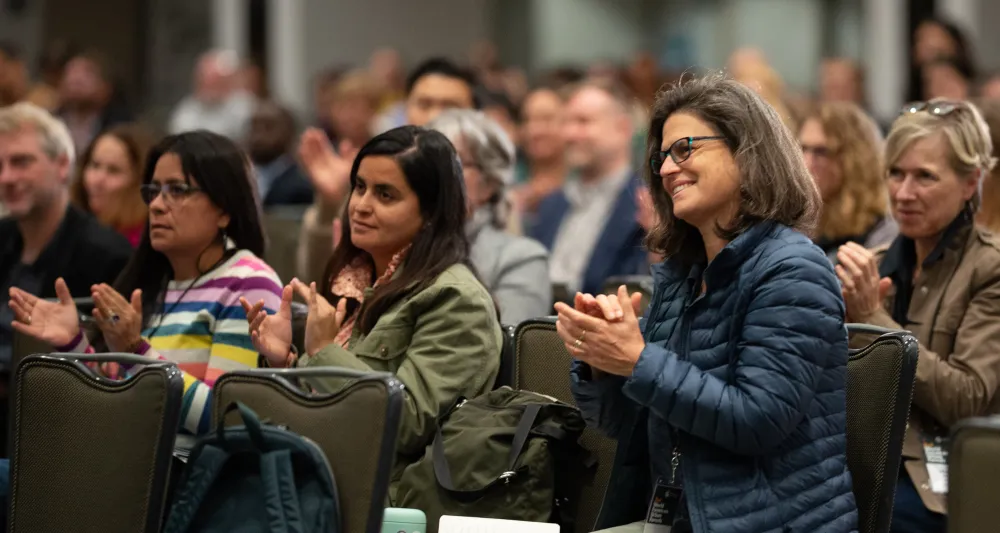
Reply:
x=507, y=454
x=255, y=478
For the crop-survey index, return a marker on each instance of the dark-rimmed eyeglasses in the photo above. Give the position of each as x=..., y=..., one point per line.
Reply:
x=173, y=192
x=935, y=108
x=680, y=151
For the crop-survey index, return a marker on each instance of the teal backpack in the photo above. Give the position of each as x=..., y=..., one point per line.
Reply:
x=255, y=478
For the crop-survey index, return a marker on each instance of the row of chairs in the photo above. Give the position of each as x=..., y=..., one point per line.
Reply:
x=91, y=454
x=880, y=380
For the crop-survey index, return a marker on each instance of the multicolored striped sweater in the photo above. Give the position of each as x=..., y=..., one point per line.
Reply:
x=204, y=330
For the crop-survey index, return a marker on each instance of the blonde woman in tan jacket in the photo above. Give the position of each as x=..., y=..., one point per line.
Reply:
x=940, y=279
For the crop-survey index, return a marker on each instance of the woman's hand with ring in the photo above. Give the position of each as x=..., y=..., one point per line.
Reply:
x=120, y=320
x=610, y=346
x=55, y=323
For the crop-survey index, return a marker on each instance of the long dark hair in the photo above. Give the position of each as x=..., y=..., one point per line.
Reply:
x=221, y=170
x=430, y=164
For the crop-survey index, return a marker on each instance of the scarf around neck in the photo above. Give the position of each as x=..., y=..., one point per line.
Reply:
x=351, y=283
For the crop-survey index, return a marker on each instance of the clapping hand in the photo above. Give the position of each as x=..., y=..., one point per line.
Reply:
x=56, y=323
x=271, y=335
x=120, y=320
x=324, y=321
x=861, y=286
x=329, y=172
x=612, y=345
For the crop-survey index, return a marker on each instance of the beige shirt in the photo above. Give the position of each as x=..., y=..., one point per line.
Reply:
x=589, y=208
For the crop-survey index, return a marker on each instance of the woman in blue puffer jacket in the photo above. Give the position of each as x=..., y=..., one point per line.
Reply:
x=734, y=394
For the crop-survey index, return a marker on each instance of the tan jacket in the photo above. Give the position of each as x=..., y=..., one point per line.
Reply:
x=955, y=315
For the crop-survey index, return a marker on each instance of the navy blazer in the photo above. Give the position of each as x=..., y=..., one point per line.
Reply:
x=619, y=250
x=292, y=187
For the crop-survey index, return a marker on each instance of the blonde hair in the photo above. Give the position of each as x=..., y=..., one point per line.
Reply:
x=855, y=142
x=970, y=153
x=989, y=211
x=53, y=135
x=765, y=81
x=357, y=84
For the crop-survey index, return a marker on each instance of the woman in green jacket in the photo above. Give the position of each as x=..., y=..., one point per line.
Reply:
x=399, y=294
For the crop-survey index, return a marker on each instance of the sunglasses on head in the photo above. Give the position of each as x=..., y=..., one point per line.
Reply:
x=935, y=108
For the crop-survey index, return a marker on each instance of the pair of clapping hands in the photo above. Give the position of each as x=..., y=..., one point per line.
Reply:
x=57, y=322
x=603, y=330
x=862, y=288
x=272, y=334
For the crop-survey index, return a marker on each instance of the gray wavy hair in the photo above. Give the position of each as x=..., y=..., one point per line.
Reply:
x=490, y=147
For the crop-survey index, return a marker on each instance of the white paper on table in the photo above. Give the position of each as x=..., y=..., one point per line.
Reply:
x=464, y=524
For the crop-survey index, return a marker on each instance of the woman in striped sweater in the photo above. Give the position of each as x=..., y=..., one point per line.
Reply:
x=199, y=253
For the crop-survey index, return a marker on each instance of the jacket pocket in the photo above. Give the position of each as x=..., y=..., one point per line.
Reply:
x=944, y=331
x=385, y=344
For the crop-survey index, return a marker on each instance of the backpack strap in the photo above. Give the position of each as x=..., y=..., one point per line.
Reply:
x=521, y=433
x=280, y=494
x=200, y=477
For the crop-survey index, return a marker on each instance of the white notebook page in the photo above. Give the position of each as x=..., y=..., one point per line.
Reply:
x=463, y=524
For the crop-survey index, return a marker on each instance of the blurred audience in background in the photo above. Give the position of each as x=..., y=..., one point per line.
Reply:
x=353, y=103
x=842, y=147
x=936, y=38
x=13, y=75
x=218, y=102
x=541, y=168
x=589, y=225
x=989, y=210
x=108, y=176
x=89, y=100
x=271, y=146
x=436, y=85
x=841, y=80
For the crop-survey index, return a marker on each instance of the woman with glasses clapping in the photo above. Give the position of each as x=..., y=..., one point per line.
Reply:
x=178, y=297
x=729, y=404
x=940, y=279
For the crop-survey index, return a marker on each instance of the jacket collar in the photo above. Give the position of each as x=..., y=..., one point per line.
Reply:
x=901, y=257
x=734, y=253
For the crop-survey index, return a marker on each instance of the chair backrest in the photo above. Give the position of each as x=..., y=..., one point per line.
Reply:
x=91, y=454
x=356, y=427
x=507, y=359
x=974, y=475
x=879, y=390
x=282, y=225
x=542, y=365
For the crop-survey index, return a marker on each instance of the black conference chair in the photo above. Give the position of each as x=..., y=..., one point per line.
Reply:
x=879, y=391
x=356, y=427
x=974, y=476
x=91, y=454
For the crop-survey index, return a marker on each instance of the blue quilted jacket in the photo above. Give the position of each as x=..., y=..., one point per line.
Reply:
x=751, y=376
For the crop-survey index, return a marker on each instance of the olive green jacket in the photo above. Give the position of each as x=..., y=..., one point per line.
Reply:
x=442, y=342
